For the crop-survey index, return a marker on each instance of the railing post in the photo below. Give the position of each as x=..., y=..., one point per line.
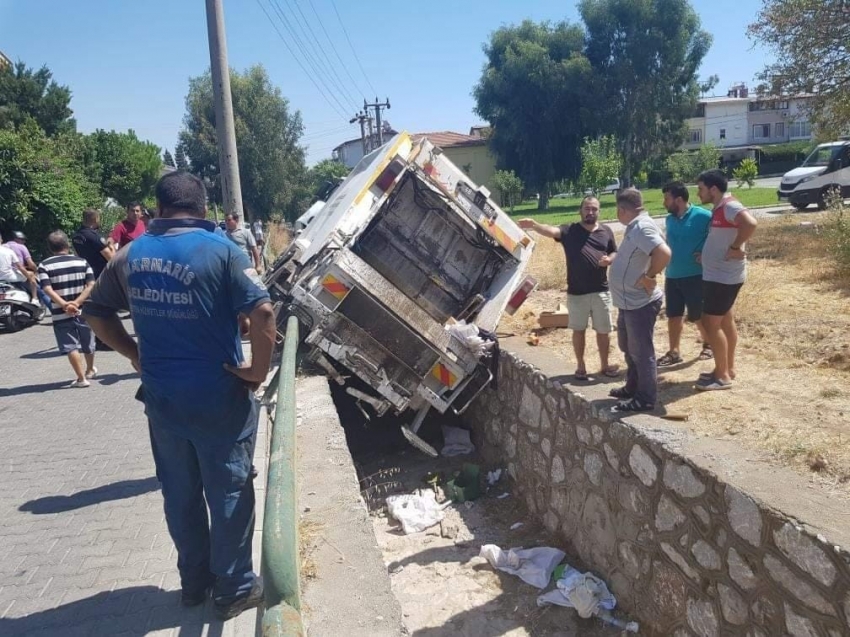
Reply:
x=280, y=552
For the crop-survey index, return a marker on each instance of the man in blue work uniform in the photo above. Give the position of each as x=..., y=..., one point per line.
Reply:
x=185, y=287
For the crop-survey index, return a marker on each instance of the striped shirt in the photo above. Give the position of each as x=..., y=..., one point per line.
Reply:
x=68, y=275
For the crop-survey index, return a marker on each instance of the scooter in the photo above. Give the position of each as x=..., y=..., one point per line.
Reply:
x=17, y=308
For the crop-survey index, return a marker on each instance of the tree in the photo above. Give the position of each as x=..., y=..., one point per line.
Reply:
x=809, y=39
x=126, y=167
x=28, y=94
x=645, y=56
x=509, y=185
x=600, y=163
x=327, y=170
x=686, y=166
x=168, y=160
x=180, y=158
x=271, y=161
x=43, y=187
x=531, y=92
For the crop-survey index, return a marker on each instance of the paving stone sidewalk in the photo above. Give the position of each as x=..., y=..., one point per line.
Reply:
x=84, y=548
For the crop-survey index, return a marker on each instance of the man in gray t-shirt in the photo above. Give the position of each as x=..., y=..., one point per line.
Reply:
x=724, y=270
x=242, y=238
x=631, y=279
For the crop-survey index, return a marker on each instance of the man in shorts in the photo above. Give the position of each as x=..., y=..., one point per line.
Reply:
x=686, y=230
x=68, y=280
x=589, y=248
x=724, y=270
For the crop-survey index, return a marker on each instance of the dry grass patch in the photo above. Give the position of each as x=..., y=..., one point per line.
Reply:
x=278, y=239
x=791, y=399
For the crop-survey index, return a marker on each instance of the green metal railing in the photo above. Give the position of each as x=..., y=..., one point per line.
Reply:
x=280, y=554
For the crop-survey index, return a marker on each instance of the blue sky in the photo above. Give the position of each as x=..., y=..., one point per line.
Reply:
x=128, y=62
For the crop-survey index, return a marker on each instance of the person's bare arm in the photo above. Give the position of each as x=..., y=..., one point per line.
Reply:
x=262, y=333
x=108, y=252
x=256, y=254
x=77, y=303
x=746, y=228
x=658, y=260
x=111, y=331
x=553, y=232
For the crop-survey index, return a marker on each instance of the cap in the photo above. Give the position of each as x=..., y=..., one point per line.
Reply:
x=20, y=236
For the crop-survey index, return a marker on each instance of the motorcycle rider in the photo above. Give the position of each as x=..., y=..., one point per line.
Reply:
x=19, y=247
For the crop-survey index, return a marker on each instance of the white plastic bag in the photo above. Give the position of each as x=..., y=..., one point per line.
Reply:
x=468, y=335
x=456, y=442
x=533, y=566
x=416, y=511
x=583, y=591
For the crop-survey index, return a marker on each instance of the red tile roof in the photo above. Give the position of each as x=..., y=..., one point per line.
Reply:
x=450, y=139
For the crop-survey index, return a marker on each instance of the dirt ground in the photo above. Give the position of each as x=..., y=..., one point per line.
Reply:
x=445, y=589
x=792, y=397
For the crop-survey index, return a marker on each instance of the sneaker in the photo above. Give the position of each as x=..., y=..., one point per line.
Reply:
x=253, y=599
x=81, y=383
x=193, y=598
x=91, y=373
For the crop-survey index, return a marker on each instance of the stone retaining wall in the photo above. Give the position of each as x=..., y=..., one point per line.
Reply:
x=683, y=551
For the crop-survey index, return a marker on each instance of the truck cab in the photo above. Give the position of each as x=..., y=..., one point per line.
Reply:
x=826, y=169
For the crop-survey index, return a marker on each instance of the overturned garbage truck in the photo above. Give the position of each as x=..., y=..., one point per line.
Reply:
x=396, y=277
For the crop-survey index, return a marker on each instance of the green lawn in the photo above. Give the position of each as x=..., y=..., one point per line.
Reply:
x=566, y=210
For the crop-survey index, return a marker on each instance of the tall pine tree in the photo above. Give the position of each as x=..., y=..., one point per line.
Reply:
x=167, y=159
x=180, y=158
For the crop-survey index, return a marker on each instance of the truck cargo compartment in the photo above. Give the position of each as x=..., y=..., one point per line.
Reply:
x=429, y=250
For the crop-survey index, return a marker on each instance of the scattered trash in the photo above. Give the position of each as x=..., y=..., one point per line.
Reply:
x=558, y=318
x=503, y=496
x=516, y=525
x=466, y=484
x=583, y=591
x=534, y=340
x=493, y=477
x=398, y=568
x=416, y=511
x=456, y=442
x=449, y=530
x=608, y=618
x=469, y=335
x=533, y=566
x=468, y=505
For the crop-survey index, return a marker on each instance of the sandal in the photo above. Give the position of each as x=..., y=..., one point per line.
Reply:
x=670, y=358
x=706, y=354
x=612, y=371
x=580, y=374
x=712, y=384
x=620, y=392
x=633, y=405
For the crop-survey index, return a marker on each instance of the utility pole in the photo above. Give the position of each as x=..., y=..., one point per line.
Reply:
x=378, y=106
x=228, y=160
x=360, y=117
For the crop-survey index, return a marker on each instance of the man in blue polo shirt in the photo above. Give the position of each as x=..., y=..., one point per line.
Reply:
x=185, y=288
x=686, y=228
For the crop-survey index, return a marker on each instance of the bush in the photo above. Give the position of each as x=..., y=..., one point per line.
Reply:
x=838, y=232
x=792, y=151
x=746, y=172
x=600, y=163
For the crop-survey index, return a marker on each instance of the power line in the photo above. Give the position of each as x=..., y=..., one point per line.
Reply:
x=300, y=46
x=314, y=43
x=344, y=30
x=336, y=52
x=298, y=61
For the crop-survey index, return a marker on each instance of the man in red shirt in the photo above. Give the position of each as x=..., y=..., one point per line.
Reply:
x=127, y=229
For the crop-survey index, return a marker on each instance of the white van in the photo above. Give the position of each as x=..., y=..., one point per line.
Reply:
x=826, y=168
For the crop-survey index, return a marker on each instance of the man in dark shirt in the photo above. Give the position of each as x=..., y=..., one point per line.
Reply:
x=589, y=248
x=89, y=245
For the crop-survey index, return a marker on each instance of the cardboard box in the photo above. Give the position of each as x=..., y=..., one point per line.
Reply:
x=558, y=318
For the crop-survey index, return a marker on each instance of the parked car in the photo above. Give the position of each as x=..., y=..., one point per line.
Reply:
x=610, y=189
